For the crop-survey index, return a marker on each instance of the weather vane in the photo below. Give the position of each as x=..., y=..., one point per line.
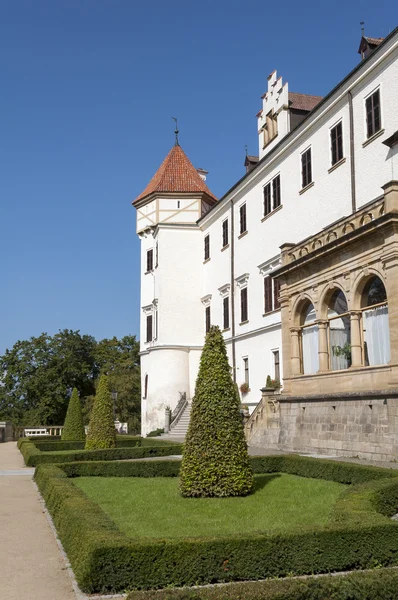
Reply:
x=176, y=130
x=362, y=24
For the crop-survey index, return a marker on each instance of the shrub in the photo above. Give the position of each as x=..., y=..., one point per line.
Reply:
x=215, y=459
x=105, y=560
x=73, y=427
x=34, y=457
x=101, y=429
x=380, y=584
x=156, y=432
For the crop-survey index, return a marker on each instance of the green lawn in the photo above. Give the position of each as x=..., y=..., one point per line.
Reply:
x=153, y=507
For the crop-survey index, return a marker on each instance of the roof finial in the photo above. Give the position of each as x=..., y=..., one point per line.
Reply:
x=362, y=24
x=246, y=149
x=176, y=131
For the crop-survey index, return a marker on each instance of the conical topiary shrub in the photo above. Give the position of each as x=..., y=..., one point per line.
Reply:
x=215, y=460
x=101, y=429
x=73, y=426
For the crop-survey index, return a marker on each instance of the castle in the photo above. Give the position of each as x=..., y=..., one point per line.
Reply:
x=297, y=263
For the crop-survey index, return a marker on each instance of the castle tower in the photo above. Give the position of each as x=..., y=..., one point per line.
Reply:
x=172, y=328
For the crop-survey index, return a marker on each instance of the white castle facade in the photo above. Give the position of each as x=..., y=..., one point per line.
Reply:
x=207, y=261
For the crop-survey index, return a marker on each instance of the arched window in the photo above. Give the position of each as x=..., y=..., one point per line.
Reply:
x=145, y=386
x=339, y=331
x=309, y=340
x=376, y=333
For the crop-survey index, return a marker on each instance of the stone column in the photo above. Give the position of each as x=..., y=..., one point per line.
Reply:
x=356, y=346
x=323, y=345
x=295, y=351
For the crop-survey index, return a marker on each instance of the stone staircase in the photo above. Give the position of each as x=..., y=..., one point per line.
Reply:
x=179, y=430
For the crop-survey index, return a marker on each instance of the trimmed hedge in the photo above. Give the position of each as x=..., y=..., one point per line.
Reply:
x=73, y=427
x=34, y=457
x=101, y=429
x=106, y=560
x=379, y=584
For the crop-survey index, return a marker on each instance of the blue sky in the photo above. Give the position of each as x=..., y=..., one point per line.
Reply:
x=87, y=91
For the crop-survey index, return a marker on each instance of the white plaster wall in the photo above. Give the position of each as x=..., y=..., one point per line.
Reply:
x=168, y=374
x=146, y=215
x=374, y=164
x=276, y=98
x=188, y=211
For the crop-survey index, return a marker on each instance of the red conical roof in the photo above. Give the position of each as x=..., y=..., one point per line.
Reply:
x=176, y=174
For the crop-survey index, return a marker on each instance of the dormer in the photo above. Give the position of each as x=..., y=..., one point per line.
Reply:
x=176, y=194
x=282, y=111
x=367, y=45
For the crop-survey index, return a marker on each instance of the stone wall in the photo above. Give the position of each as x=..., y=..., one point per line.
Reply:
x=359, y=424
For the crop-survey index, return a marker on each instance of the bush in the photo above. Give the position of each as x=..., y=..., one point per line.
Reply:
x=34, y=457
x=215, y=459
x=73, y=427
x=101, y=429
x=380, y=584
x=156, y=432
x=105, y=560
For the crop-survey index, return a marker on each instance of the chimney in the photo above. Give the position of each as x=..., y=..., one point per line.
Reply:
x=202, y=173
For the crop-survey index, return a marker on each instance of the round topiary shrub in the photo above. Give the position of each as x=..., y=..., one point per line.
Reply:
x=215, y=458
x=73, y=427
x=101, y=429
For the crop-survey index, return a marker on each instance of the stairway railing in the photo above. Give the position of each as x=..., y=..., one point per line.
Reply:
x=179, y=409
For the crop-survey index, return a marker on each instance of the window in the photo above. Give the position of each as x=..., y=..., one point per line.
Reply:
x=336, y=140
x=145, y=386
x=267, y=294
x=149, y=261
x=271, y=294
x=149, y=328
x=207, y=319
x=246, y=370
x=309, y=341
x=339, y=325
x=207, y=247
x=373, y=117
x=225, y=305
x=242, y=214
x=225, y=233
x=306, y=168
x=270, y=128
x=157, y=255
x=376, y=331
x=276, y=192
x=277, y=371
x=267, y=199
x=243, y=305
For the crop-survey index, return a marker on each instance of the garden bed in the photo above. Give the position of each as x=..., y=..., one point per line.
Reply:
x=358, y=533
x=37, y=452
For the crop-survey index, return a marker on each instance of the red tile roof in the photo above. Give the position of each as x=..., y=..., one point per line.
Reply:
x=176, y=174
x=303, y=101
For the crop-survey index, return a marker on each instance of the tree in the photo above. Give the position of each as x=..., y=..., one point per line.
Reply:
x=101, y=429
x=38, y=375
x=215, y=459
x=73, y=426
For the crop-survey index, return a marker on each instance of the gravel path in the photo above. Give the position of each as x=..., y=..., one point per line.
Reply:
x=31, y=563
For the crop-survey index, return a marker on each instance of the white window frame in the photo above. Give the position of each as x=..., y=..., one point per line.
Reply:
x=330, y=142
x=365, y=126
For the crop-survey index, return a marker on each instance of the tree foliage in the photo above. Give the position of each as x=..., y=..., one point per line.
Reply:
x=215, y=459
x=38, y=375
x=101, y=429
x=73, y=427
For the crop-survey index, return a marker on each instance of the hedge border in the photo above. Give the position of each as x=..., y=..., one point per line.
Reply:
x=33, y=456
x=106, y=560
x=379, y=584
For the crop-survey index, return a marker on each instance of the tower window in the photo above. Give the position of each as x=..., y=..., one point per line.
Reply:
x=336, y=140
x=246, y=370
x=207, y=247
x=267, y=199
x=373, y=117
x=271, y=294
x=149, y=261
x=276, y=191
x=149, y=328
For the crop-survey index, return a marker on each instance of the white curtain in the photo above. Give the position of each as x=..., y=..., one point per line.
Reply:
x=377, y=335
x=310, y=342
x=339, y=337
